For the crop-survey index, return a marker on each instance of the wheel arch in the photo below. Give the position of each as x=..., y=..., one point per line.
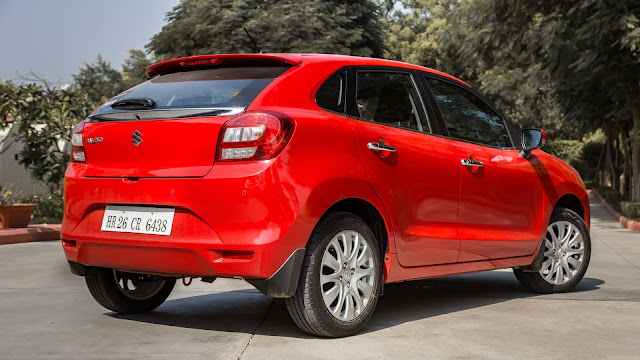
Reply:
x=572, y=202
x=568, y=201
x=367, y=212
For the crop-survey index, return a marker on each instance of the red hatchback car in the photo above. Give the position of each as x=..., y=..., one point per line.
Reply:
x=316, y=178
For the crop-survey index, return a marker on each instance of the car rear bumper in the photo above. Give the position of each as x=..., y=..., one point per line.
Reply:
x=238, y=221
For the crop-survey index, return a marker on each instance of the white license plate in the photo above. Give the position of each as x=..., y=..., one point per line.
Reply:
x=138, y=219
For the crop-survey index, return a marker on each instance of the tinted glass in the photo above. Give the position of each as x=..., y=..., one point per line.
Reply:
x=467, y=117
x=234, y=87
x=331, y=94
x=390, y=99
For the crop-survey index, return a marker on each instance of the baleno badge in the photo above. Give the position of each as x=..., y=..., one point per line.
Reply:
x=94, y=140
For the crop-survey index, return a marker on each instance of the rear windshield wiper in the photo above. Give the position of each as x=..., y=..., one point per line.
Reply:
x=158, y=114
x=215, y=112
x=142, y=103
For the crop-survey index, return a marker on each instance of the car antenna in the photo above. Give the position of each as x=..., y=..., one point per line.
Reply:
x=252, y=41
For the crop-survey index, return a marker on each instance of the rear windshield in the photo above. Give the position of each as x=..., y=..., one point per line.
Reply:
x=229, y=90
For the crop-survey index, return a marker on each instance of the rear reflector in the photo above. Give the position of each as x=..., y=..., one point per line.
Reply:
x=78, y=156
x=69, y=243
x=238, y=153
x=237, y=255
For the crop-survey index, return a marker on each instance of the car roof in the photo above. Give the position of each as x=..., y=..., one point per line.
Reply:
x=173, y=65
x=367, y=61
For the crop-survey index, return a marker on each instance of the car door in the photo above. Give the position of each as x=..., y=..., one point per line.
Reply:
x=414, y=173
x=501, y=197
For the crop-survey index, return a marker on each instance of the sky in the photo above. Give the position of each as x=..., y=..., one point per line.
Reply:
x=53, y=38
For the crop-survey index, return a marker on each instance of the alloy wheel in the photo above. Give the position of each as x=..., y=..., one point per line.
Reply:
x=347, y=275
x=563, y=253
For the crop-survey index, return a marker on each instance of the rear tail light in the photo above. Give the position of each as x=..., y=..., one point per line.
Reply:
x=254, y=136
x=77, y=144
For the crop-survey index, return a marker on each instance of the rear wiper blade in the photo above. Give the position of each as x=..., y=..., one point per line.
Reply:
x=158, y=114
x=142, y=103
x=205, y=113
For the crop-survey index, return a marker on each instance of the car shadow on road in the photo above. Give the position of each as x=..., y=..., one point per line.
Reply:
x=414, y=300
x=253, y=313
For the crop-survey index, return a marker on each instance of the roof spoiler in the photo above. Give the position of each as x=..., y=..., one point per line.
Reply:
x=202, y=61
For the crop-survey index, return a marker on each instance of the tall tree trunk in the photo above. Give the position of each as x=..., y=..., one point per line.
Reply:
x=616, y=148
x=609, y=159
x=626, y=153
x=599, y=177
x=635, y=148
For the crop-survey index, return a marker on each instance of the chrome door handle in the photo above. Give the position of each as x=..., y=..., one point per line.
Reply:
x=380, y=147
x=471, y=162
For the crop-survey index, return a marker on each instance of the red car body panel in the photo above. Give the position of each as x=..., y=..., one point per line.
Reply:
x=246, y=237
x=488, y=230
x=245, y=219
x=157, y=158
x=421, y=191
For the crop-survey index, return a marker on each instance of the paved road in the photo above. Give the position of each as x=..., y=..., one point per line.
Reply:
x=45, y=312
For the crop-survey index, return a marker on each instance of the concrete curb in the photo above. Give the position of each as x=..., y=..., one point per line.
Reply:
x=30, y=234
x=624, y=221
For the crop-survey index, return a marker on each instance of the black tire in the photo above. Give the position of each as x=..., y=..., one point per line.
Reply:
x=535, y=281
x=307, y=307
x=105, y=290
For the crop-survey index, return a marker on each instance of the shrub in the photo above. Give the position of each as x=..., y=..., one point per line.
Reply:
x=583, y=154
x=613, y=197
x=630, y=209
x=590, y=156
x=569, y=151
x=8, y=196
x=590, y=184
x=49, y=208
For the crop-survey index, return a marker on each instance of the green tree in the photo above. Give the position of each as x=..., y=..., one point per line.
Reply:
x=99, y=80
x=45, y=118
x=198, y=27
x=415, y=31
x=489, y=43
x=570, y=67
x=564, y=65
x=467, y=39
x=606, y=37
x=134, y=68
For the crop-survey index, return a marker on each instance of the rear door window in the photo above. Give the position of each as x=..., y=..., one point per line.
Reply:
x=229, y=89
x=389, y=98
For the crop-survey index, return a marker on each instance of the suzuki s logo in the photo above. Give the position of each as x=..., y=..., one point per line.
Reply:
x=136, y=138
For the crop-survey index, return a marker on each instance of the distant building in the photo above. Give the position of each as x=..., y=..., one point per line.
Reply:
x=13, y=174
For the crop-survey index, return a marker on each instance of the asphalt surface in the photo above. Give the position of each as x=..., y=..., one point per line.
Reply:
x=47, y=313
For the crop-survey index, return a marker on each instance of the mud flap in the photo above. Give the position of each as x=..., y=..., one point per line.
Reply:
x=537, y=262
x=284, y=282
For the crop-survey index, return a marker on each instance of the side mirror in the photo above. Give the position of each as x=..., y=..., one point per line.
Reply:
x=532, y=139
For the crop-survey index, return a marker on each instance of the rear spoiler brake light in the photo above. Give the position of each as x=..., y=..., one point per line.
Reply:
x=180, y=64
